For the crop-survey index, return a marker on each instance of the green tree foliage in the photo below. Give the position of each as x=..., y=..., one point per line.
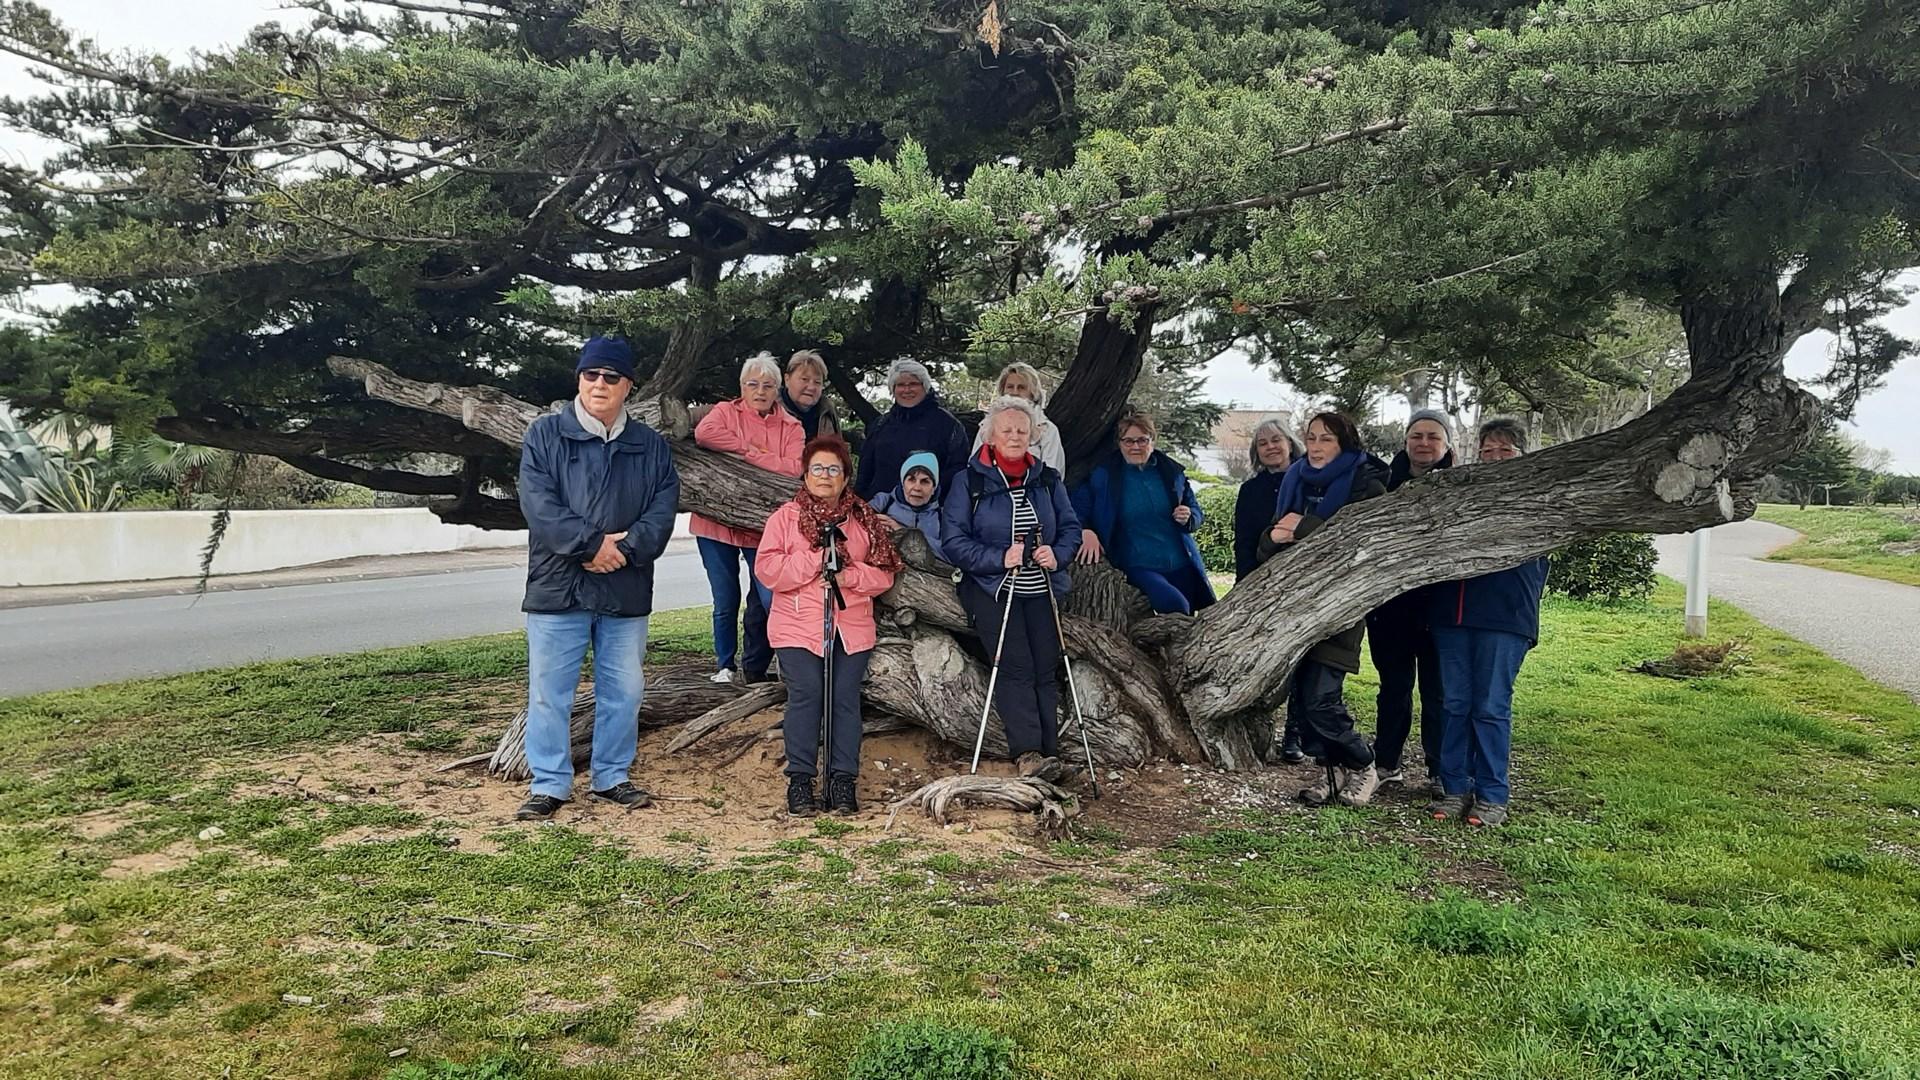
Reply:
x=1614, y=568
x=1826, y=461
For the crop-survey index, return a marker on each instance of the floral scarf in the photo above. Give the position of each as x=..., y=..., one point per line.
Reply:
x=816, y=513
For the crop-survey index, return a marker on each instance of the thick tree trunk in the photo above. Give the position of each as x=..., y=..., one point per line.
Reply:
x=1204, y=688
x=1105, y=366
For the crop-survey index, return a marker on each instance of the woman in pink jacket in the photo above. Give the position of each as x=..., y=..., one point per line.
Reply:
x=792, y=551
x=755, y=427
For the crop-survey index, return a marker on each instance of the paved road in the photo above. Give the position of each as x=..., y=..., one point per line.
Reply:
x=71, y=645
x=1871, y=624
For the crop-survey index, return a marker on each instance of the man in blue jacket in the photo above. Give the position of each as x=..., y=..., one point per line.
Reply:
x=599, y=492
x=1482, y=629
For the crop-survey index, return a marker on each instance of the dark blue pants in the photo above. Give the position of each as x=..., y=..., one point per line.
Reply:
x=1403, y=654
x=1172, y=592
x=1027, y=694
x=722, y=562
x=804, y=673
x=1477, y=671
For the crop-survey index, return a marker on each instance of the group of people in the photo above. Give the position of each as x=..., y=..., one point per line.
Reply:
x=599, y=494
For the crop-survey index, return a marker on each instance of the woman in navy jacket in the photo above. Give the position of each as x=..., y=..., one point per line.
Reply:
x=1482, y=629
x=1140, y=511
x=1004, y=495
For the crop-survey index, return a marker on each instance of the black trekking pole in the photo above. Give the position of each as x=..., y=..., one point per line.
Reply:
x=829, y=597
x=993, y=677
x=1073, y=689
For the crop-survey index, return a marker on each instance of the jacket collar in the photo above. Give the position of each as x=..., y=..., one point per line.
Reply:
x=629, y=437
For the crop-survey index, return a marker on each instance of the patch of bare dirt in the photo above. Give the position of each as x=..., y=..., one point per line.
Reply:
x=172, y=857
x=100, y=824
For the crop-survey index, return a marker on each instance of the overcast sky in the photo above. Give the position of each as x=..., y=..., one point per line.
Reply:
x=1885, y=419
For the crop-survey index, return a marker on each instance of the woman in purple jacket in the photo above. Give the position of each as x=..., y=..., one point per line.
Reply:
x=1482, y=629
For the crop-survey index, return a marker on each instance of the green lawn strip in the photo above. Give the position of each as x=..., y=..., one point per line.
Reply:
x=1735, y=853
x=1856, y=540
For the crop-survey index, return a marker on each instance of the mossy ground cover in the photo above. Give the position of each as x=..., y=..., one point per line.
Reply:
x=1718, y=877
x=1876, y=542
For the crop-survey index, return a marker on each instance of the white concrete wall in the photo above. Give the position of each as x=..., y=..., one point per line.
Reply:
x=72, y=549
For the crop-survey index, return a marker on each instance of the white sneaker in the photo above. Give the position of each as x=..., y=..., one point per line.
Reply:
x=724, y=675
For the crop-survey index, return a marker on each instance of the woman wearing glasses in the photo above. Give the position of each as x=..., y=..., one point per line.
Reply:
x=752, y=426
x=1139, y=511
x=793, y=553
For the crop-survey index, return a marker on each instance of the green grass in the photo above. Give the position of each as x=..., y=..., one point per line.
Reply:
x=1857, y=540
x=1718, y=877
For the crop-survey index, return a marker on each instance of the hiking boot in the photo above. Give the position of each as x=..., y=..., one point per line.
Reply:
x=624, y=794
x=724, y=675
x=800, y=802
x=1393, y=776
x=1359, y=786
x=1320, y=792
x=1290, y=751
x=840, y=798
x=538, y=808
x=1043, y=767
x=1487, y=814
x=753, y=678
x=1448, y=807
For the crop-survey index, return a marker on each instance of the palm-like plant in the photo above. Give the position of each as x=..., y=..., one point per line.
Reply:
x=183, y=467
x=37, y=478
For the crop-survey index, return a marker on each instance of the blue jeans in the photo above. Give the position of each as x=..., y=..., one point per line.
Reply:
x=722, y=562
x=1172, y=592
x=556, y=644
x=1477, y=671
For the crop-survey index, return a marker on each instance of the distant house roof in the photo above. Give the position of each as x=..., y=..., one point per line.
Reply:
x=1235, y=426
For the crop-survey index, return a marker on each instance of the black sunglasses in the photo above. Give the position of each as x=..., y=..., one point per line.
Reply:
x=597, y=375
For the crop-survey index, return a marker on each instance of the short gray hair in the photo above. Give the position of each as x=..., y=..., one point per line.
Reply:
x=1007, y=403
x=761, y=364
x=1032, y=375
x=1272, y=425
x=807, y=358
x=1506, y=428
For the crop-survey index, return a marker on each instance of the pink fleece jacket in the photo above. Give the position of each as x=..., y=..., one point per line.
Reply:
x=790, y=565
x=771, y=442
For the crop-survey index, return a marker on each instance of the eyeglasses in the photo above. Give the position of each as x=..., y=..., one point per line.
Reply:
x=755, y=384
x=1137, y=441
x=597, y=375
x=825, y=471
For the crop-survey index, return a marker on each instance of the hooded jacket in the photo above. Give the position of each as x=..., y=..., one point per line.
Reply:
x=901, y=431
x=576, y=487
x=975, y=538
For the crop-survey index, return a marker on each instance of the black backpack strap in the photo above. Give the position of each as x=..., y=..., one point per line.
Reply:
x=975, y=488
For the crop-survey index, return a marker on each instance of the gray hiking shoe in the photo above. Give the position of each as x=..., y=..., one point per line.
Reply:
x=1359, y=786
x=1487, y=814
x=1448, y=807
x=1320, y=792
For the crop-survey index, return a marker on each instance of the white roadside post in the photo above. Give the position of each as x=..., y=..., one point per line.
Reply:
x=1697, y=583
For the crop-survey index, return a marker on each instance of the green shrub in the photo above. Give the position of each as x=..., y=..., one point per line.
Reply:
x=1215, y=535
x=1462, y=926
x=1615, y=568
x=923, y=1050
x=1657, y=1033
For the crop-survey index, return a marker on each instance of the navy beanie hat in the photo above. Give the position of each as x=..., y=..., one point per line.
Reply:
x=611, y=353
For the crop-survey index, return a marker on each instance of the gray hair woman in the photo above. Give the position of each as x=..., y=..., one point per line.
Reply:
x=1273, y=449
x=1005, y=496
x=754, y=427
x=1023, y=381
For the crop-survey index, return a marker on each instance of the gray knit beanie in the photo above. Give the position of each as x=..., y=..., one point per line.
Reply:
x=1438, y=417
x=908, y=366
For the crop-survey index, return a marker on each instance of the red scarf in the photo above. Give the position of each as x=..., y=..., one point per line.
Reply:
x=1015, y=471
x=817, y=513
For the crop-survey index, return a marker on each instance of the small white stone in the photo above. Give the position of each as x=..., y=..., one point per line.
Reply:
x=212, y=832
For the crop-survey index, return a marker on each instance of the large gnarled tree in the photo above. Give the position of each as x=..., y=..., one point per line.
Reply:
x=1094, y=184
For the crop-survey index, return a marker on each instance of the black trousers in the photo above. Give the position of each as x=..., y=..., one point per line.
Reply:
x=803, y=673
x=1404, y=655
x=1318, y=705
x=1027, y=694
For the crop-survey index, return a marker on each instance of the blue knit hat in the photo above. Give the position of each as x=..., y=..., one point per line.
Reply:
x=610, y=353
x=921, y=460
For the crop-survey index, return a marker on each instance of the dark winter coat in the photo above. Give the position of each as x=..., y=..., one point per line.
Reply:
x=1506, y=600
x=975, y=538
x=902, y=432
x=1342, y=650
x=1406, y=613
x=821, y=418
x=1252, y=516
x=1098, y=500
x=574, y=488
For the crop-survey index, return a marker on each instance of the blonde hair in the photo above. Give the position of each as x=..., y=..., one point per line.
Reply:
x=808, y=358
x=1032, y=375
